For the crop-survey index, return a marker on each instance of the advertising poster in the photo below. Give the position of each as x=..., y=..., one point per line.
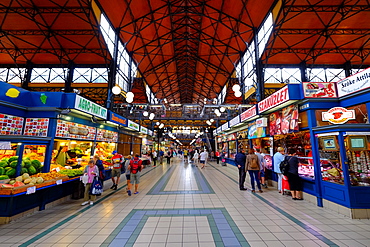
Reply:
x=255, y=131
x=36, y=127
x=289, y=119
x=275, y=123
x=11, y=125
x=319, y=90
x=74, y=130
x=106, y=135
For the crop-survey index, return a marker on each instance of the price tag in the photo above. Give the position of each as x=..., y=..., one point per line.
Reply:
x=31, y=190
x=58, y=182
x=57, y=169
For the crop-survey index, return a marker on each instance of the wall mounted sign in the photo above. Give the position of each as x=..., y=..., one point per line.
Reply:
x=90, y=107
x=273, y=100
x=225, y=126
x=117, y=119
x=150, y=132
x=133, y=125
x=11, y=125
x=234, y=121
x=74, y=130
x=319, y=90
x=354, y=83
x=36, y=127
x=143, y=130
x=106, y=135
x=261, y=122
x=251, y=112
x=338, y=115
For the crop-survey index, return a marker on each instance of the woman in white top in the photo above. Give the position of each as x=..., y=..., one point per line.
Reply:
x=196, y=157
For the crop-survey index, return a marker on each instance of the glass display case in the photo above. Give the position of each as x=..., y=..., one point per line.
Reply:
x=232, y=149
x=358, y=156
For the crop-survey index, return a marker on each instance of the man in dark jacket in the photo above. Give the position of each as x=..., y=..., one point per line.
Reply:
x=240, y=163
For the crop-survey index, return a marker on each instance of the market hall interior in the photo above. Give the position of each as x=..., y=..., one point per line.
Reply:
x=183, y=205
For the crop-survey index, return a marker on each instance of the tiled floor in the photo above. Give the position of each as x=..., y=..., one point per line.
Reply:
x=182, y=205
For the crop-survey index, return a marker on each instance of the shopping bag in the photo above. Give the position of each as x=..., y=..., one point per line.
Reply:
x=84, y=178
x=285, y=184
x=223, y=160
x=96, y=187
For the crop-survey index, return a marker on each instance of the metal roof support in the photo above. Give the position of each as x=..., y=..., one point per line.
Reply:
x=112, y=72
x=303, y=69
x=347, y=68
x=259, y=69
x=27, y=78
x=68, y=83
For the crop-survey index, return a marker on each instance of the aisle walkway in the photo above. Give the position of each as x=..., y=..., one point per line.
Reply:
x=182, y=205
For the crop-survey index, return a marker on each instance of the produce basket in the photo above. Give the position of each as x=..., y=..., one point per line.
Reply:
x=6, y=191
x=20, y=189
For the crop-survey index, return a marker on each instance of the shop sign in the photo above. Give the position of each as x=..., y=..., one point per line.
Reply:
x=90, y=107
x=133, y=125
x=234, y=121
x=143, y=130
x=261, y=122
x=36, y=127
x=354, y=83
x=338, y=115
x=219, y=129
x=319, y=90
x=274, y=100
x=225, y=126
x=117, y=119
x=74, y=130
x=5, y=145
x=231, y=137
x=106, y=135
x=256, y=132
x=11, y=125
x=150, y=132
x=251, y=112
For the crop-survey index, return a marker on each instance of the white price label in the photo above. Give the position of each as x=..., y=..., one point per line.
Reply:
x=58, y=182
x=57, y=169
x=31, y=190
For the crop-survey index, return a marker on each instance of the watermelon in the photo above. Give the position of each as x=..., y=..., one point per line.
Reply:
x=5, y=159
x=13, y=164
x=11, y=159
x=32, y=170
x=3, y=163
x=24, y=170
x=6, y=186
x=2, y=177
x=2, y=170
x=8, y=168
x=36, y=164
x=11, y=173
x=17, y=184
x=26, y=158
x=27, y=163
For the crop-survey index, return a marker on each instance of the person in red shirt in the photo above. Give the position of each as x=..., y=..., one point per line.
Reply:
x=116, y=171
x=135, y=167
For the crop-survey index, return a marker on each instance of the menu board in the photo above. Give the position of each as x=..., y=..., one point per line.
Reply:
x=11, y=125
x=74, y=130
x=36, y=127
x=106, y=135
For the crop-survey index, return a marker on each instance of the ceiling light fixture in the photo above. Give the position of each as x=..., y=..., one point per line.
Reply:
x=236, y=87
x=145, y=113
x=237, y=94
x=222, y=109
x=116, y=90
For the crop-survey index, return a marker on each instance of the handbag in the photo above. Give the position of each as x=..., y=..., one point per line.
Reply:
x=96, y=187
x=223, y=160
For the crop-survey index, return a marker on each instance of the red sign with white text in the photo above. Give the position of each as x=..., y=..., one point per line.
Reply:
x=251, y=112
x=273, y=100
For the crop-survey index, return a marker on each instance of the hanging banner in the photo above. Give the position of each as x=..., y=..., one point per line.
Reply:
x=234, y=121
x=143, y=130
x=319, y=90
x=251, y=112
x=225, y=126
x=354, y=83
x=338, y=115
x=90, y=107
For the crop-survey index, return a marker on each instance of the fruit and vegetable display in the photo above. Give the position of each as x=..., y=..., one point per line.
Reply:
x=71, y=172
x=8, y=166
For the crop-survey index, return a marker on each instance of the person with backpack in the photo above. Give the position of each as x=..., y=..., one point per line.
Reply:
x=100, y=166
x=128, y=173
x=278, y=158
x=294, y=180
x=253, y=166
x=135, y=167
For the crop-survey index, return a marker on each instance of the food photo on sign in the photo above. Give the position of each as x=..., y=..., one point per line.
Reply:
x=275, y=123
x=319, y=90
x=289, y=119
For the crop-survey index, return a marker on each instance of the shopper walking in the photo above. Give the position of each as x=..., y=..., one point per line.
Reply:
x=240, y=159
x=196, y=158
x=263, y=165
x=217, y=155
x=294, y=180
x=161, y=155
x=253, y=166
x=100, y=166
x=278, y=158
x=128, y=173
x=203, y=158
x=154, y=158
x=91, y=170
x=116, y=171
x=135, y=168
